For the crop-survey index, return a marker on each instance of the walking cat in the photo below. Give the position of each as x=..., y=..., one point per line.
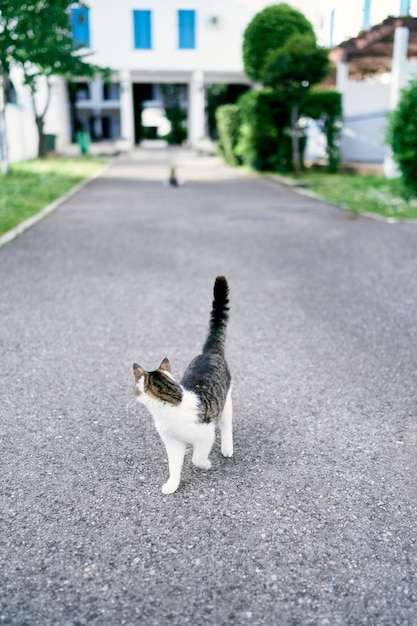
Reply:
x=187, y=412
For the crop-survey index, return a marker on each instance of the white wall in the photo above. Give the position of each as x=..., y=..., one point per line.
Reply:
x=21, y=129
x=57, y=120
x=21, y=132
x=366, y=104
x=218, y=46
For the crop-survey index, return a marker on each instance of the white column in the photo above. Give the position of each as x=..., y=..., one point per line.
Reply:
x=342, y=76
x=399, y=64
x=398, y=80
x=96, y=97
x=126, y=107
x=196, y=108
x=96, y=93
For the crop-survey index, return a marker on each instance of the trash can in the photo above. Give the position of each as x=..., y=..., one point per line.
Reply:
x=50, y=143
x=83, y=140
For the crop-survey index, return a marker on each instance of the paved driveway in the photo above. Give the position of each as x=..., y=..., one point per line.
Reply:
x=314, y=520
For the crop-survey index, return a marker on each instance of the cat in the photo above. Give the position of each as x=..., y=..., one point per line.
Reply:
x=187, y=412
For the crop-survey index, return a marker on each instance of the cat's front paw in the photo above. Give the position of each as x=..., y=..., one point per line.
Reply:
x=170, y=487
x=227, y=450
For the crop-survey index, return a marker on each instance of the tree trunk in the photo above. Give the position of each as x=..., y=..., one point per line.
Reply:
x=4, y=152
x=40, y=122
x=40, y=117
x=295, y=140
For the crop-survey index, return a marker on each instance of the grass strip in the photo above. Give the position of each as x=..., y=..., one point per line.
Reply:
x=364, y=193
x=32, y=185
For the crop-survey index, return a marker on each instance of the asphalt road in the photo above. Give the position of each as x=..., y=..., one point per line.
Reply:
x=313, y=522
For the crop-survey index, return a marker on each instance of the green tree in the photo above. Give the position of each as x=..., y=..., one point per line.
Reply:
x=267, y=32
x=293, y=69
x=228, y=125
x=37, y=36
x=280, y=51
x=402, y=135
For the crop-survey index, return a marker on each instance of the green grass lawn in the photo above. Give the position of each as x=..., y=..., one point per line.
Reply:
x=32, y=185
x=360, y=193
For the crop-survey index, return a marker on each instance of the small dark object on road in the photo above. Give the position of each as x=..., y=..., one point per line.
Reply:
x=172, y=180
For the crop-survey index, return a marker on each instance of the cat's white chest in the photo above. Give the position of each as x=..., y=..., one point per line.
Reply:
x=178, y=421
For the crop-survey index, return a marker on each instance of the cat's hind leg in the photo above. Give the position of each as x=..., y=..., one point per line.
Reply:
x=226, y=427
x=202, y=446
x=176, y=452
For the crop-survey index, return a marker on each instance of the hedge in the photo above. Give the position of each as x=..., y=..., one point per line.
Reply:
x=228, y=124
x=264, y=143
x=402, y=135
x=255, y=132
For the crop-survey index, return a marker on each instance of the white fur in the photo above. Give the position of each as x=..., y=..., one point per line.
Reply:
x=179, y=425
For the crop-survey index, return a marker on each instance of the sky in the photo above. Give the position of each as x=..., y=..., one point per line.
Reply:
x=348, y=16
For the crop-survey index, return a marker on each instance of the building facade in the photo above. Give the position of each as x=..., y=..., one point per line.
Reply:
x=148, y=44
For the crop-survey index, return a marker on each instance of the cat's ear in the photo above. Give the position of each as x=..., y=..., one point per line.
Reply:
x=138, y=371
x=165, y=366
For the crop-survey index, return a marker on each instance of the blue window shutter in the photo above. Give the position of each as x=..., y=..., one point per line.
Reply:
x=186, y=29
x=80, y=27
x=404, y=7
x=142, y=29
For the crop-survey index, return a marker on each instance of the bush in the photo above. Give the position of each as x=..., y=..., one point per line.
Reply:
x=255, y=132
x=228, y=125
x=402, y=135
x=177, y=135
x=217, y=95
x=264, y=143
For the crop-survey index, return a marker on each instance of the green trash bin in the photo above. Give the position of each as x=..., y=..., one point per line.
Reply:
x=50, y=143
x=83, y=140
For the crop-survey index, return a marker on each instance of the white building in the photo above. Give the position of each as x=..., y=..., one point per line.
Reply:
x=146, y=44
x=22, y=135
x=189, y=43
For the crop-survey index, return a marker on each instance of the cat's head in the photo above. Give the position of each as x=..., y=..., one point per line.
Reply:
x=157, y=385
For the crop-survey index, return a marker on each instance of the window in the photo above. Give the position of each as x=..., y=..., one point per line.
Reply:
x=80, y=27
x=82, y=92
x=111, y=92
x=10, y=91
x=186, y=30
x=142, y=29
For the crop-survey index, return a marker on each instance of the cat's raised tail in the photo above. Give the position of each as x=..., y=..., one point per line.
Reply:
x=219, y=316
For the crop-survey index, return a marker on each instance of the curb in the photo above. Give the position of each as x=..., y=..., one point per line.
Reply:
x=50, y=208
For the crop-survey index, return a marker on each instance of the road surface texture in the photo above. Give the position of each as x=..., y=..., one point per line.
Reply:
x=313, y=522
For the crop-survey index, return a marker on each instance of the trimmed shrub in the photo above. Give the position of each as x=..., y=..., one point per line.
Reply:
x=218, y=95
x=255, y=132
x=402, y=135
x=268, y=31
x=228, y=124
x=264, y=143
